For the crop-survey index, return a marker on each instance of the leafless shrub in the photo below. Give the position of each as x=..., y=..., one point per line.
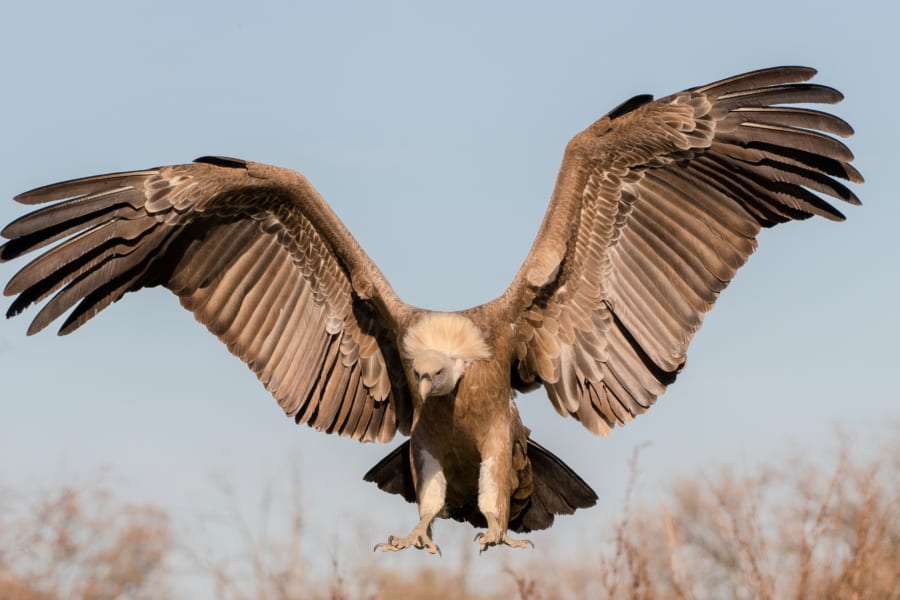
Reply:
x=793, y=530
x=526, y=586
x=263, y=564
x=78, y=543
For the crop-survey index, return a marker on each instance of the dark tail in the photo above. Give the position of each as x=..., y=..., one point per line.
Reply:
x=557, y=489
x=393, y=473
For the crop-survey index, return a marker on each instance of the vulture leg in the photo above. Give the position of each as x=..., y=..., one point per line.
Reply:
x=494, y=492
x=432, y=493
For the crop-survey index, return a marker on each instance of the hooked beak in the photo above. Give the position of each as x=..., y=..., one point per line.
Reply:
x=424, y=388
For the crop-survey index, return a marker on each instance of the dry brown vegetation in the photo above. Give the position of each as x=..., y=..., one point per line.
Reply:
x=790, y=531
x=794, y=530
x=82, y=544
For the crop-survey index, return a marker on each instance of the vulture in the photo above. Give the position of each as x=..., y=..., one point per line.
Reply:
x=656, y=206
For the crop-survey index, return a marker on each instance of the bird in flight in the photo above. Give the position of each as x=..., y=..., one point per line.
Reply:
x=656, y=206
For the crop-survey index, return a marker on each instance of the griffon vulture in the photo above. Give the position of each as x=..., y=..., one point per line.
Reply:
x=656, y=206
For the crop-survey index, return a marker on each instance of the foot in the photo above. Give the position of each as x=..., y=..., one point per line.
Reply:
x=496, y=538
x=416, y=539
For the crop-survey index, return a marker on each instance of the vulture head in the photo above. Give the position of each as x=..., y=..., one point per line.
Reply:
x=440, y=347
x=436, y=373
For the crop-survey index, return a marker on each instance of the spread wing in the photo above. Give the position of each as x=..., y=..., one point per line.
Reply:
x=259, y=258
x=656, y=207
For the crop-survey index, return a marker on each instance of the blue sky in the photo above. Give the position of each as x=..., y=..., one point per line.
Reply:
x=435, y=131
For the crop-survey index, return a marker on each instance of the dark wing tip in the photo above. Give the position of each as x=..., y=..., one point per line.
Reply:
x=629, y=105
x=223, y=161
x=760, y=78
x=41, y=194
x=92, y=185
x=799, y=71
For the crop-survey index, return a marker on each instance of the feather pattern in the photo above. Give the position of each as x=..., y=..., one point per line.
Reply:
x=656, y=207
x=253, y=252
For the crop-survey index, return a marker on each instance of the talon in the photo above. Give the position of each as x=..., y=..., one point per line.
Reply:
x=489, y=539
x=514, y=543
x=414, y=540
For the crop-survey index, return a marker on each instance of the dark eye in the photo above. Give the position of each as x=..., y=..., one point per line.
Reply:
x=440, y=372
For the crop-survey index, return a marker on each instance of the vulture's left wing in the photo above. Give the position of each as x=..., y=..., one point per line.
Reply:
x=656, y=206
x=259, y=258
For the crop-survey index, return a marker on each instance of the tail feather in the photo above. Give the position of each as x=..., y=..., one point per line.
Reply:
x=558, y=490
x=393, y=473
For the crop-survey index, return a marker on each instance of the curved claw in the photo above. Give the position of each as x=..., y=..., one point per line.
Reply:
x=426, y=543
x=415, y=540
x=514, y=543
x=486, y=541
x=388, y=546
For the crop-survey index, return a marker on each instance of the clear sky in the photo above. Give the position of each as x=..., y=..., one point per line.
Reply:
x=435, y=131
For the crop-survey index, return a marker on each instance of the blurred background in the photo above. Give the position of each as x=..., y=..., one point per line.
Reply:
x=435, y=132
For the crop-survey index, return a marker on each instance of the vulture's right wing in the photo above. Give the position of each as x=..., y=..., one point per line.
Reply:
x=656, y=207
x=259, y=258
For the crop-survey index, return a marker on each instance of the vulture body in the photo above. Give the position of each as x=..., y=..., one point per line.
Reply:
x=656, y=206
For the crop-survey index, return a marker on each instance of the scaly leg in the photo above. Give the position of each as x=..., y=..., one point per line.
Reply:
x=493, y=502
x=432, y=494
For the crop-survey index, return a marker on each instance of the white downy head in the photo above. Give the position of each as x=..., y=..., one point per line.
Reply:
x=441, y=346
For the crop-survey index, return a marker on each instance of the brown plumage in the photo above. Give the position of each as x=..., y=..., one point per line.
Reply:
x=655, y=208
